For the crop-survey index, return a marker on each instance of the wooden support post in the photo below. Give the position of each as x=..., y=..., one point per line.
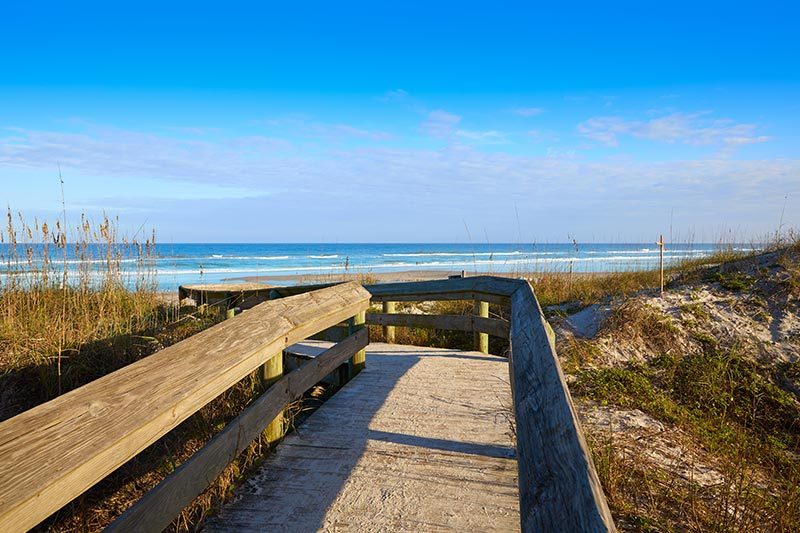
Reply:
x=388, y=331
x=271, y=372
x=358, y=361
x=660, y=244
x=481, y=339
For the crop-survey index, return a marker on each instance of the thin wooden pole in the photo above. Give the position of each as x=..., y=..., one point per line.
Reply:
x=388, y=331
x=481, y=339
x=660, y=244
x=271, y=372
x=358, y=361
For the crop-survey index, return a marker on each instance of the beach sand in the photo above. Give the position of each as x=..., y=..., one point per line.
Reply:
x=366, y=278
x=384, y=277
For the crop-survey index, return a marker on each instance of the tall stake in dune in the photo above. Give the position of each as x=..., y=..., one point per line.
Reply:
x=660, y=244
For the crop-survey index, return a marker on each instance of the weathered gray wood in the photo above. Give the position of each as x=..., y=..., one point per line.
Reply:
x=418, y=441
x=54, y=452
x=559, y=488
x=223, y=294
x=487, y=288
x=443, y=297
x=333, y=334
x=388, y=331
x=478, y=284
x=493, y=326
x=481, y=309
x=157, y=508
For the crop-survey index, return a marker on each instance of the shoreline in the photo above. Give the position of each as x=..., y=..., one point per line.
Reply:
x=386, y=277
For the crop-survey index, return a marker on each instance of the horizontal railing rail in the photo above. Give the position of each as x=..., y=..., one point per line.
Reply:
x=156, y=510
x=52, y=453
x=469, y=323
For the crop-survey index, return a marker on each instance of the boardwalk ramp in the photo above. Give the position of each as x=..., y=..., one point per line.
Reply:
x=419, y=440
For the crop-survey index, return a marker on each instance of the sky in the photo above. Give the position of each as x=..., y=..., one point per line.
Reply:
x=405, y=122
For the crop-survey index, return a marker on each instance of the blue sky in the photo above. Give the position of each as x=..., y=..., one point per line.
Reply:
x=341, y=122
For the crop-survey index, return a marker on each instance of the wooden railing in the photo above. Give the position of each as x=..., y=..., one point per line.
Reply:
x=559, y=487
x=53, y=453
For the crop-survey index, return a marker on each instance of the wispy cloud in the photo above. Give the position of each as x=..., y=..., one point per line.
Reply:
x=490, y=136
x=440, y=124
x=528, y=111
x=393, y=95
x=308, y=127
x=431, y=185
x=684, y=128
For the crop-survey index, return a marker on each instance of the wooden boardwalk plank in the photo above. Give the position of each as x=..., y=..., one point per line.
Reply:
x=420, y=440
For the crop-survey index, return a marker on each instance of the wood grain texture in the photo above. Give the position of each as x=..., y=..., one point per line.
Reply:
x=158, y=508
x=418, y=441
x=559, y=488
x=54, y=452
x=493, y=326
x=388, y=331
x=481, y=341
x=487, y=288
x=489, y=285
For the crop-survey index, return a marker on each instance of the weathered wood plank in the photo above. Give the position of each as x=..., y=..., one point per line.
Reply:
x=559, y=488
x=54, y=452
x=443, y=297
x=479, y=284
x=418, y=441
x=487, y=288
x=157, y=508
x=493, y=326
x=226, y=294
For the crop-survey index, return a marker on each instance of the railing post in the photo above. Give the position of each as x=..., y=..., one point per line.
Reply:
x=271, y=372
x=481, y=339
x=388, y=331
x=358, y=361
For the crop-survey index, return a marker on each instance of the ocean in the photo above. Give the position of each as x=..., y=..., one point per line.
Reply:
x=177, y=264
x=180, y=264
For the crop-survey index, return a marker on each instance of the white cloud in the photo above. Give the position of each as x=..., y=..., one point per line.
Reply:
x=440, y=124
x=329, y=131
x=394, y=95
x=683, y=128
x=529, y=111
x=433, y=184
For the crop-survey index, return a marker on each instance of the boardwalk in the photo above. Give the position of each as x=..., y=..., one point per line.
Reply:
x=418, y=441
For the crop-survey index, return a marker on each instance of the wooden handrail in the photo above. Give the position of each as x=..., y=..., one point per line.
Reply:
x=156, y=510
x=54, y=452
x=559, y=487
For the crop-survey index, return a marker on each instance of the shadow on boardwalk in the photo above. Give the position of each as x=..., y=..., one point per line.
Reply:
x=418, y=440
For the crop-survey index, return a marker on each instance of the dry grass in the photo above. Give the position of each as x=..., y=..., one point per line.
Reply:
x=732, y=407
x=61, y=294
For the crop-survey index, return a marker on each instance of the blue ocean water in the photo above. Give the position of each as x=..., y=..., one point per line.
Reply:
x=177, y=264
